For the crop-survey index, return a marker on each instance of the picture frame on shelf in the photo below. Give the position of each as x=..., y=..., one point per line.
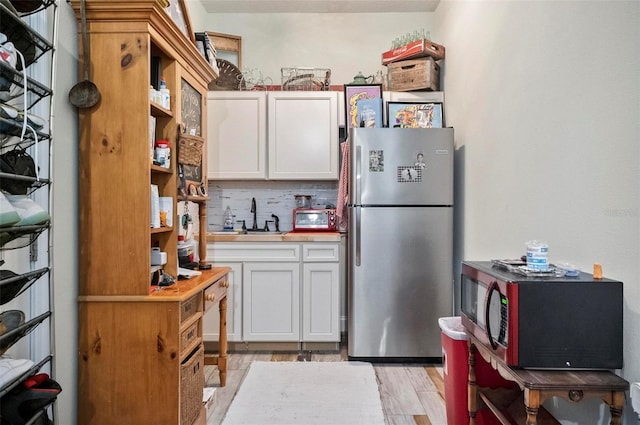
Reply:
x=179, y=14
x=227, y=47
x=352, y=94
x=370, y=113
x=415, y=115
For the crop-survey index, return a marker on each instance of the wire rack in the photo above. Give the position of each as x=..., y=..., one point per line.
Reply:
x=312, y=79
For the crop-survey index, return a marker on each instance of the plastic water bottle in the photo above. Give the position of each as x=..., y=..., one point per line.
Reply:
x=228, y=220
x=165, y=94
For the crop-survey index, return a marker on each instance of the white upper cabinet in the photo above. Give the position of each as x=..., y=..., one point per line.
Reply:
x=237, y=135
x=303, y=135
x=279, y=135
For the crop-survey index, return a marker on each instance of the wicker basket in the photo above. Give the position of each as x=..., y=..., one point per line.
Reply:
x=229, y=78
x=190, y=151
x=191, y=386
x=308, y=79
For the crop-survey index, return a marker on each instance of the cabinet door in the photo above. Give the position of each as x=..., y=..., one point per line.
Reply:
x=271, y=302
x=237, y=135
x=303, y=135
x=320, y=302
x=211, y=321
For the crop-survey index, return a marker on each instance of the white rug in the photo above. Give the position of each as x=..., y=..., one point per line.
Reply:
x=307, y=393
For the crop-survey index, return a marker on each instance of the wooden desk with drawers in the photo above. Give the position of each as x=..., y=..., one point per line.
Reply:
x=141, y=357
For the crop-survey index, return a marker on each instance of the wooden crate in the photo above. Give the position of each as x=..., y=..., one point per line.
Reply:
x=414, y=74
x=414, y=50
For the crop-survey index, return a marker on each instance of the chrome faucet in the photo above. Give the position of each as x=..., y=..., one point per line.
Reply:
x=253, y=211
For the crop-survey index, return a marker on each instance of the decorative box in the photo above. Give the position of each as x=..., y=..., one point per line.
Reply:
x=413, y=50
x=414, y=74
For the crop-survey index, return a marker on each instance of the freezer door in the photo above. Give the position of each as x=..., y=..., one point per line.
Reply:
x=400, y=280
x=401, y=166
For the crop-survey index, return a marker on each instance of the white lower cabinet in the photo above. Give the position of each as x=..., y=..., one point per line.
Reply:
x=320, y=302
x=279, y=291
x=271, y=302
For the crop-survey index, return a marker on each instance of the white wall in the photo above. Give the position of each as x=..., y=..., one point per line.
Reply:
x=65, y=217
x=346, y=43
x=545, y=100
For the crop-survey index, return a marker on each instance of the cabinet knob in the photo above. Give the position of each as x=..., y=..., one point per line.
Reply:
x=210, y=297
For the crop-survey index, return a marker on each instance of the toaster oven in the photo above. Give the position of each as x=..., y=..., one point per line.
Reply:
x=544, y=322
x=315, y=220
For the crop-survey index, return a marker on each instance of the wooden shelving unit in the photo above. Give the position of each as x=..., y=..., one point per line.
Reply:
x=140, y=351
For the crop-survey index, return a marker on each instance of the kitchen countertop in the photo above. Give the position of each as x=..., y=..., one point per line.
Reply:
x=274, y=237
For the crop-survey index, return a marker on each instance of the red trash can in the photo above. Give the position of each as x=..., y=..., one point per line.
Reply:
x=455, y=368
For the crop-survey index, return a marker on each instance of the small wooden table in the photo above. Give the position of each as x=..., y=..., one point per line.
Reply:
x=535, y=386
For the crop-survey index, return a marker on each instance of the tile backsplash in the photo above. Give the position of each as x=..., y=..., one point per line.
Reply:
x=272, y=197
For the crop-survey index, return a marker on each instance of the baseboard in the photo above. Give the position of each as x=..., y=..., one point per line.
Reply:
x=273, y=346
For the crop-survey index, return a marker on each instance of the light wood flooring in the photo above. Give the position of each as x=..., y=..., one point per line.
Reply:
x=411, y=394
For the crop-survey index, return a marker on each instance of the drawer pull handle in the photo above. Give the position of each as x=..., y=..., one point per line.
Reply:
x=210, y=297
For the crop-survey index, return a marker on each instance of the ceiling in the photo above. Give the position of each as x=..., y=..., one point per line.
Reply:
x=319, y=6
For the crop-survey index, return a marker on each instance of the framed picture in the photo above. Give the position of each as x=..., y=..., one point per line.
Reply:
x=227, y=47
x=370, y=113
x=352, y=94
x=179, y=14
x=415, y=115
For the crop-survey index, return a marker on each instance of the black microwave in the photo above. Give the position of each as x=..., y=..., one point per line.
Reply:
x=543, y=322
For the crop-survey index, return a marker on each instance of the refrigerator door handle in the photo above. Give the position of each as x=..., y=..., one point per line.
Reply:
x=357, y=211
x=358, y=176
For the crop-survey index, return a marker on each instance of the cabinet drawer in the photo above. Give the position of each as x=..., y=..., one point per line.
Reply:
x=320, y=252
x=215, y=292
x=221, y=252
x=190, y=307
x=191, y=385
x=191, y=336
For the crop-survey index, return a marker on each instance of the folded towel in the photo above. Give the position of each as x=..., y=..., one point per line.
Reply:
x=343, y=187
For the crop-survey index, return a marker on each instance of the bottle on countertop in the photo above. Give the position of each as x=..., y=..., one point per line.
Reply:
x=165, y=94
x=228, y=220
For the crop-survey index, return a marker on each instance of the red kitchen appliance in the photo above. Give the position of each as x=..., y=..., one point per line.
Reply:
x=543, y=322
x=315, y=220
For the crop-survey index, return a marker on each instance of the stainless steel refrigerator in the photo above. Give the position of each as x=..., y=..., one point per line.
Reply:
x=400, y=241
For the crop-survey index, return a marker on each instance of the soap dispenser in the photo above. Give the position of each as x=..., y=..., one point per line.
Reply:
x=228, y=220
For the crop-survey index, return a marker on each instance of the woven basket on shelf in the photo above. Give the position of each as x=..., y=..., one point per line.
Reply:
x=229, y=78
x=191, y=387
x=190, y=151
